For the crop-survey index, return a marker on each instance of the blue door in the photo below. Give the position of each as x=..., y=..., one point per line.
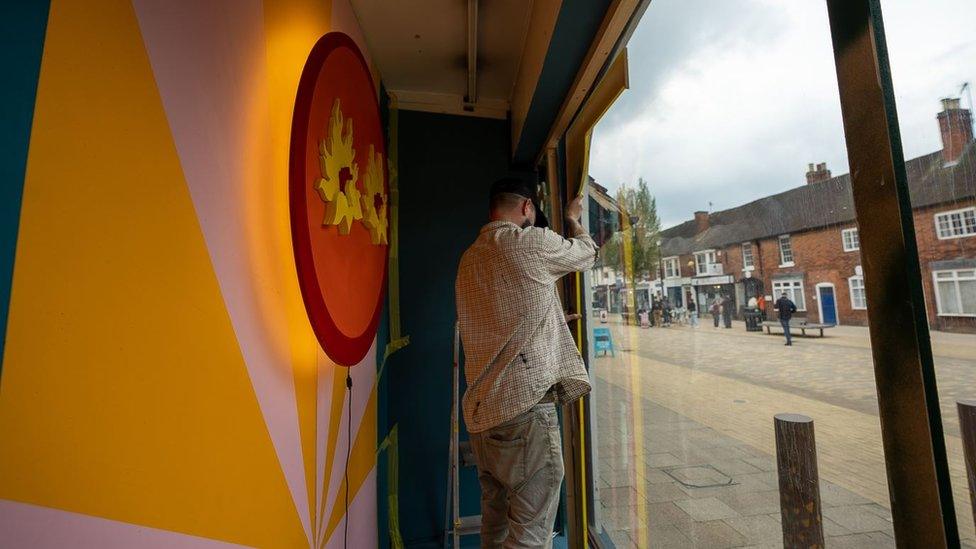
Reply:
x=828, y=312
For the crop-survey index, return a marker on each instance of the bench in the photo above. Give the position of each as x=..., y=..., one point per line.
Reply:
x=797, y=323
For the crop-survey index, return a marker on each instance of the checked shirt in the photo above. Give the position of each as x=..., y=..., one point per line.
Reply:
x=517, y=345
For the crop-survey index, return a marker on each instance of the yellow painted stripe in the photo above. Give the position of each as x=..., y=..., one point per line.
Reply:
x=125, y=395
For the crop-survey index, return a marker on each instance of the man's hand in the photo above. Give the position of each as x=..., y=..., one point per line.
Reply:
x=574, y=210
x=572, y=316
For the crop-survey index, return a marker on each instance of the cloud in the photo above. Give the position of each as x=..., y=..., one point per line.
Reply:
x=730, y=100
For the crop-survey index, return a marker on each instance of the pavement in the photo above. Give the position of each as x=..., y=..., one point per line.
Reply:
x=684, y=434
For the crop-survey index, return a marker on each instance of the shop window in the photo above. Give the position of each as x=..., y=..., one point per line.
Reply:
x=794, y=291
x=957, y=223
x=785, y=251
x=747, y=263
x=955, y=292
x=858, y=297
x=852, y=241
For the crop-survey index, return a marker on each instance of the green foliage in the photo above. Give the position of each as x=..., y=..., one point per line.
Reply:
x=638, y=237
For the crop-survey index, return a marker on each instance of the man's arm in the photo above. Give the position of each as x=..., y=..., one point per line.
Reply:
x=562, y=256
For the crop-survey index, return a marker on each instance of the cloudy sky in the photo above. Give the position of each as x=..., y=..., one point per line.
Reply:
x=730, y=100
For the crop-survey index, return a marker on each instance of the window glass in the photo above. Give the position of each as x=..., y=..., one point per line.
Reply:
x=851, y=240
x=957, y=223
x=732, y=132
x=747, y=256
x=858, y=299
x=785, y=250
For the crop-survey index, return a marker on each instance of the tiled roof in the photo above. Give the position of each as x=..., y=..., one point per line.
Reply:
x=821, y=204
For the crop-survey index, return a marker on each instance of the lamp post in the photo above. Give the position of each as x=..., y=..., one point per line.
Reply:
x=633, y=271
x=660, y=261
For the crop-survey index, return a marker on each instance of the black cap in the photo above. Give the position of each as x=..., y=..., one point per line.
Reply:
x=514, y=185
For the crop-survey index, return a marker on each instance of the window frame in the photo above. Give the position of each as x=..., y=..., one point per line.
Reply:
x=948, y=214
x=782, y=259
x=955, y=280
x=855, y=239
x=676, y=263
x=864, y=295
x=801, y=304
x=752, y=257
x=709, y=255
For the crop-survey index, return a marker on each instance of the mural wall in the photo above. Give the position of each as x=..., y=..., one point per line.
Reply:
x=160, y=384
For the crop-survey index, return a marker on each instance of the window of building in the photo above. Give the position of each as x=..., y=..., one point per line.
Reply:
x=858, y=298
x=955, y=292
x=957, y=223
x=852, y=242
x=704, y=261
x=785, y=251
x=671, y=267
x=747, y=264
x=794, y=291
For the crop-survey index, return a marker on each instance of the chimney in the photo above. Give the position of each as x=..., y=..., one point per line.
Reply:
x=817, y=173
x=956, y=126
x=701, y=219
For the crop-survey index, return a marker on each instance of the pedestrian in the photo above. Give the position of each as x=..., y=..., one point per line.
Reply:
x=692, y=312
x=786, y=308
x=727, y=310
x=520, y=360
x=716, y=310
x=657, y=309
x=666, y=311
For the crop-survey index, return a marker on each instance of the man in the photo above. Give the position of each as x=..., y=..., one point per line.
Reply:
x=520, y=361
x=786, y=308
x=727, y=310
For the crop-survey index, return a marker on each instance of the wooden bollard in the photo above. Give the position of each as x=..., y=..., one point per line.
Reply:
x=799, y=483
x=967, y=427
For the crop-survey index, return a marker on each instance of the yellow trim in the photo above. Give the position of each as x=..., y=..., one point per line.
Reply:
x=582, y=432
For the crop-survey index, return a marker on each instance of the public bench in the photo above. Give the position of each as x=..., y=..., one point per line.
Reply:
x=798, y=324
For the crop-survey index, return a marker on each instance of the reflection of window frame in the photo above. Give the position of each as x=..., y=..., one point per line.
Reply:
x=955, y=277
x=858, y=302
x=710, y=259
x=751, y=263
x=671, y=267
x=783, y=262
x=851, y=240
x=946, y=228
x=792, y=287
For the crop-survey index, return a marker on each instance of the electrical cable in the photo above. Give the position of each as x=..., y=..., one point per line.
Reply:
x=345, y=525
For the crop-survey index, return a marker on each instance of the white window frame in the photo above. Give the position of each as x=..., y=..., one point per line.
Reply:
x=672, y=262
x=956, y=279
x=752, y=257
x=855, y=240
x=962, y=218
x=791, y=284
x=710, y=259
x=864, y=296
x=782, y=259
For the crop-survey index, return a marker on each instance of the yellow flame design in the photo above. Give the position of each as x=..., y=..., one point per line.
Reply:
x=340, y=174
x=374, y=199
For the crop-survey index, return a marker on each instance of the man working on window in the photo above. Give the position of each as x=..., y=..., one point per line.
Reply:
x=520, y=361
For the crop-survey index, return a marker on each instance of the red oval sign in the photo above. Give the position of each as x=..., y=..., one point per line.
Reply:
x=338, y=194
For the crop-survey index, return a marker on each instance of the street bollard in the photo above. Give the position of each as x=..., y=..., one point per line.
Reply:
x=967, y=428
x=799, y=483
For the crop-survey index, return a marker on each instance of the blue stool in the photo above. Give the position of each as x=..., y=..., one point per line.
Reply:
x=603, y=341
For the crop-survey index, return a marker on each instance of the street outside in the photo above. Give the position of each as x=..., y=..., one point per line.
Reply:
x=701, y=469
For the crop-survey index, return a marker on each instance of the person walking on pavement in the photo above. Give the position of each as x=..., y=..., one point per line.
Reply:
x=716, y=310
x=727, y=311
x=520, y=360
x=786, y=308
x=692, y=312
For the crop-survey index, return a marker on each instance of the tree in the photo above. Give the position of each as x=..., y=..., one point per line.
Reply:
x=634, y=250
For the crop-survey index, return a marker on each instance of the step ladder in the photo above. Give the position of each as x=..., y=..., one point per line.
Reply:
x=459, y=455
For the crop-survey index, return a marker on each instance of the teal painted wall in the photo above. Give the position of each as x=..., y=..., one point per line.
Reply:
x=22, y=27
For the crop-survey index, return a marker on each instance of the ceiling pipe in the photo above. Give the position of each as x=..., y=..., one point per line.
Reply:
x=471, y=97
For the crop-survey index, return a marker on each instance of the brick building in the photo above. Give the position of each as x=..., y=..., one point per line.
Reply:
x=804, y=241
